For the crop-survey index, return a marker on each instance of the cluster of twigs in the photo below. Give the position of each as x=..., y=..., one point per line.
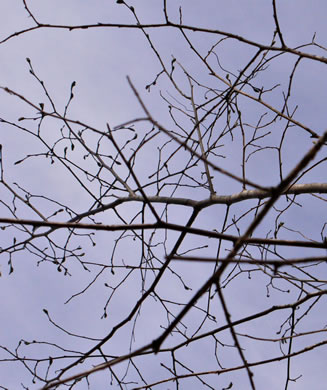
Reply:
x=201, y=193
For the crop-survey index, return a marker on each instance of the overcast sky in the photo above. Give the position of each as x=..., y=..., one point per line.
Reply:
x=99, y=60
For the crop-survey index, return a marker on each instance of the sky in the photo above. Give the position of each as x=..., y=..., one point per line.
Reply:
x=99, y=60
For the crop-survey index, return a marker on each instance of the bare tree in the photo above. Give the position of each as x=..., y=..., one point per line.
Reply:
x=193, y=236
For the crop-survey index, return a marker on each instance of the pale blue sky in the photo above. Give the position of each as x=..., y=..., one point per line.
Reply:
x=99, y=61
